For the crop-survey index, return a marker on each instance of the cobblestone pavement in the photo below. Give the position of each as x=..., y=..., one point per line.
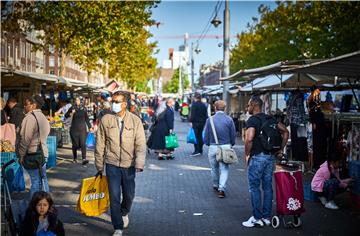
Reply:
x=175, y=197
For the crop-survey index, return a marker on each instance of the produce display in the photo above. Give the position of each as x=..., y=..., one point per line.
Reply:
x=6, y=146
x=55, y=121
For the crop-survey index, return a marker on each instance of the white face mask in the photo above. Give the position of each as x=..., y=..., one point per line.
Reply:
x=116, y=107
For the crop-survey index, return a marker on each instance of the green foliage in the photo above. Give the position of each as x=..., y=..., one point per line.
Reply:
x=298, y=30
x=172, y=86
x=113, y=31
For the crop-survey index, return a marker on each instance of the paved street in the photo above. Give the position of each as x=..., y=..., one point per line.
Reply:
x=175, y=197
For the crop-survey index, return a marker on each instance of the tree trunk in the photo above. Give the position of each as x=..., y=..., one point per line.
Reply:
x=62, y=63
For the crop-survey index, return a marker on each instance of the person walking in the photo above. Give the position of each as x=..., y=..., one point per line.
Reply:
x=260, y=164
x=121, y=145
x=226, y=135
x=16, y=112
x=34, y=130
x=198, y=116
x=78, y=131
x=163, y=126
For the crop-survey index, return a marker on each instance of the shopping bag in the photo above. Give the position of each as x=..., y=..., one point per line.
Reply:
x=90, y=140
x=191, y=138
x=171, y=141
x=94, y=196
x=45, y=233
x=18, y=183
x=7, y=132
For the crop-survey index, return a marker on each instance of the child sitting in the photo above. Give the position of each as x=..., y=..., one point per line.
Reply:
x=41, y=217
x=327, y=182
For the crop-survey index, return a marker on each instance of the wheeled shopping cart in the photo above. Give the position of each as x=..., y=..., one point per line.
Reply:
x=289, y=194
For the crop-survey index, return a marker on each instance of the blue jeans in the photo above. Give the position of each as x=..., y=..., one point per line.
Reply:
x=219, y=170
x=120, y=179
x=36, y=184
x=260, y=170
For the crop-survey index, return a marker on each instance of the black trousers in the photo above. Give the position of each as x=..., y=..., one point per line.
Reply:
x=78, y=141
x=299, y=150
x=198, y=129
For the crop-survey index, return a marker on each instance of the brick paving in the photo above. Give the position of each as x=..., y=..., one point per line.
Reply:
x=175, y=197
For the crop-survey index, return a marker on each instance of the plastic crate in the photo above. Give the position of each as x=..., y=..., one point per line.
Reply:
x=51, y=145
x=10, y=170
x=309, y=195
x=354, y=171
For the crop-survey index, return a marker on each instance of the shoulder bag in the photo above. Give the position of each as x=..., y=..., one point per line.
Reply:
x=224, y=154
x=35, y=160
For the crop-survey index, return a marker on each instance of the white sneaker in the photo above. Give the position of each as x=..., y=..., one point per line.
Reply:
x=118, y=232
x=323, y=200
x=266, y=221
x=126, y=221
x=331, y=205
x=252, y=222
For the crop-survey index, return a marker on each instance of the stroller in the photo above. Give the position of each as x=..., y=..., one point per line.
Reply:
x=13, y=210
x=289, y=194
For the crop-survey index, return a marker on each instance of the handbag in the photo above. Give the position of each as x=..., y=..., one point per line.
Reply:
x=8, y=132
x=35, y=160
x=171, y=141
x=223, y=153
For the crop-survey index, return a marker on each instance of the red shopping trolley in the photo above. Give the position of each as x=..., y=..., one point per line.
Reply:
x=289, y=194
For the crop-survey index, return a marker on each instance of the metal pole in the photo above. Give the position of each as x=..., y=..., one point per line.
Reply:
x=192, y=67
x=180, y=79
x=226, y=66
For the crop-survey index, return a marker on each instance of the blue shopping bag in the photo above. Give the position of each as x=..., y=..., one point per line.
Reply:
x=45, y=233
x=18, y=183
x=90, y=140
x=191, y=138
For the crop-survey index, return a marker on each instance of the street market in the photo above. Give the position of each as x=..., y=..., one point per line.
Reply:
x=165, y=149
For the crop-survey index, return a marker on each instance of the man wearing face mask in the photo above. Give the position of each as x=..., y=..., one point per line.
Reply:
x=121, y=145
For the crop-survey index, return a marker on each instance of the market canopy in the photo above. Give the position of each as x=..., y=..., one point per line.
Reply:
x=347, y=66
x=286, y=81
x=344, y=66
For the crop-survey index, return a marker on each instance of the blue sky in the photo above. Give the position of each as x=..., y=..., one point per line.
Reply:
x=179, y=17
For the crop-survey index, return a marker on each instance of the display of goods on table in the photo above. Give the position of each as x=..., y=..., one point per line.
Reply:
x=56, y=121
x=6, y=146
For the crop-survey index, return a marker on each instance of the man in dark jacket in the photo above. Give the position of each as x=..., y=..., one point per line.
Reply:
x=198, y=116
x=16, y=112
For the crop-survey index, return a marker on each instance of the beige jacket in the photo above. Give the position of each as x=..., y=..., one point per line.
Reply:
x=132, y=150
x=29, y=135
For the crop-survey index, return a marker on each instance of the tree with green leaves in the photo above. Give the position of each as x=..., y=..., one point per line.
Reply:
x=298, y=30
x=172, y=86
x=112, y=32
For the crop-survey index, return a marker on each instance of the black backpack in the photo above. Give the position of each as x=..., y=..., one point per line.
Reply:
x=269, y=135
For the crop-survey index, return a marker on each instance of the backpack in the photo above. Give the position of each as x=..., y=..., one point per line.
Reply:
x=269, y=135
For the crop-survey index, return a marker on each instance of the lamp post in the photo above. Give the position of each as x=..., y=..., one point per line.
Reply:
x=197, y=51
x=226, y=54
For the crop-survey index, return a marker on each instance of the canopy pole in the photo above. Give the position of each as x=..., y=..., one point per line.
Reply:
x=298, y=80
x=352, y=89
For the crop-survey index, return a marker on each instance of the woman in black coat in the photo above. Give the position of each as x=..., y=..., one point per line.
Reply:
x=164, y=125
x=78, y=131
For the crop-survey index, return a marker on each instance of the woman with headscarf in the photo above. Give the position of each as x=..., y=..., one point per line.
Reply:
x=78, y=131
x=164, y=125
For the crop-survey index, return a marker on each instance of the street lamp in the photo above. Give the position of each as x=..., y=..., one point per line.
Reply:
x=226, y=68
